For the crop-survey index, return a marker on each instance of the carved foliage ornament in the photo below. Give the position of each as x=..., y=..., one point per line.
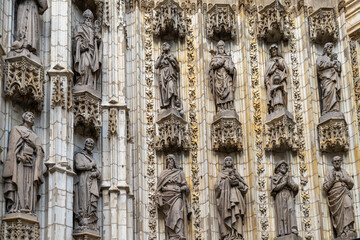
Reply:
x=19, y=228
x=323, y=26
x=112, y=121
x=226, y=134
x=333, y=135
x=220, y=22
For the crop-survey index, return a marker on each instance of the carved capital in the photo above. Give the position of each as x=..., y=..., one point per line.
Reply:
x=220, y=22
x=20, y=226
x=323, y=26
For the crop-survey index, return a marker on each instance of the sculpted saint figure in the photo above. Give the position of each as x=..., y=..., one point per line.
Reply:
x=222, y=79
x=171, y=192
x=337, y=186
x=27, y=24
x=22, y=170
x=284, y=190
x=328, y=70
x=276, y=74
x=88, y=51
x=230, y=190
x=86, y=188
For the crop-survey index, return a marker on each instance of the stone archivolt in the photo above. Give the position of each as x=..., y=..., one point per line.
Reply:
x=323, y=26
x=220, y=22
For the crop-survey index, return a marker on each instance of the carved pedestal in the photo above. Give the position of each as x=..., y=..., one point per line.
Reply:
x=220, y=22
x=323, y=26
x=172, y=131
x=279, y=131
x=24, y=81
x=288, y=237
x=86, y=234
x=226, y=132
x=333, y=132
x=19, y=226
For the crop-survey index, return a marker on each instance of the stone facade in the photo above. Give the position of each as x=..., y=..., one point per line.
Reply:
x=131, y=141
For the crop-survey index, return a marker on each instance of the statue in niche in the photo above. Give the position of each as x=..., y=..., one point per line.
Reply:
x=171, y=198
x=22, y=171
x=230, y=190
x=337, y=186
x=88, y=51
x=328, y=70
x=284, y=190
x=86, y=188
x=276, y=74
x=222, y=79
x=27, y=25
x=169, y=75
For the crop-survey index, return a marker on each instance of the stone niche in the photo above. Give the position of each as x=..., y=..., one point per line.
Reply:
x=279, y=132
x=19, y=226
x=220, y=22
x=226, y=132
x=273, y=23
x=333, y=132
x=323, y=26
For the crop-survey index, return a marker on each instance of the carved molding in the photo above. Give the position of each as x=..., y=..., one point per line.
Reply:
x=323, y=26
x=220, y=22
x=355, y=74
x=24, y=82
x=169, y=20
x=113, y=113
x=103, y=12
x=273, y=23
x=20, y=226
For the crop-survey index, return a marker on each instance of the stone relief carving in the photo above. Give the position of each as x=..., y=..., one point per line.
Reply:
x=171, y=198
x=19, y=228
x=323, y=26
x=86, y=189
x=226, y=135
x=220, y=22
x=230, y=190
x=113, y=121
x=284, y=190
x=337, y=186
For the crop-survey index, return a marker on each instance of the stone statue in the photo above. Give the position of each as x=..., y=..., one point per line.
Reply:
x=88, y=51
x=230, y=190
x=276, y=74
x=22, y=170
x=171, y=198
x=27, y=25
x=169, y=75
x=222, y=79
x=86, y=188
x=284, y=190
x=328, y=70
x=337, y=186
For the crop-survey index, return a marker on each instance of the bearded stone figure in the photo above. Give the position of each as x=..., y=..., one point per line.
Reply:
x=337, y=186
x=222, y=79
x=86, y=188
x=230, y=190
x=171, y=198
x=276, y=74
x=22, y=171
x=328, y=70
x=284, y=190
x=88, y=52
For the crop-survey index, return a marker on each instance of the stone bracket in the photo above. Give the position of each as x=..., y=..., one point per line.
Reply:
x=86, y=234
x=220, y=22
x=323, y=26
x=20, y=226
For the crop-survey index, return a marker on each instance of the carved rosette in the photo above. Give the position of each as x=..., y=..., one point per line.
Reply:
x=169, y=20
x=323, y=26
x=20, y=226
x=220, y=22
x=24, y=82
x=273, y=23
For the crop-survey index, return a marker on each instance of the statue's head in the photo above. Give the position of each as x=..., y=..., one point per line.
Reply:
x=170, y=161
x=336, y=162
x=328, y=48
x=274, y=50
x=166, y=47
x=282, y=167
x=89, y=144
x=88, y=17
x=221, y=47
x=28, y=118
x=228, y=162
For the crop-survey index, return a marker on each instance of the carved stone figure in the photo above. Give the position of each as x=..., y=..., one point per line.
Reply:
x=284, y=190
x=27, y=25
x=329, y=69
x=171, y=198
x=22, y=171
x=337, y=186
x=222, y=79
x=86, y=188
x=230, y=190
x=88, y=51
x=276, y=74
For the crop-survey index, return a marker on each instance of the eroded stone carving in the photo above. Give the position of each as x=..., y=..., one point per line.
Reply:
x=226, y=134
x=284, y=190
x=169, y=20
x=323, y=26
x=171, y=198
x=230, y=190
x=220, y=22
x=337, y=186
x=20, y=226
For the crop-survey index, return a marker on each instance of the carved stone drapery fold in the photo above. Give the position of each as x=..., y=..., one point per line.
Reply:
x=20, y=226
x=273, y=23
x=323, y=26
x=220, y=22
x=169, y=20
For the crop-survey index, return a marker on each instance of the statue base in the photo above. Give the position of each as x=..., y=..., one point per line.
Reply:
x=226, y=132
x=289, y=237
x=333, y=132
x=86, y=234
x=279, y=131
x=172, y=131
x=20, y=226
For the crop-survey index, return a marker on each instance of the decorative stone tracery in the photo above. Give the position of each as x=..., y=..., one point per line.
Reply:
x=323, y=26
x=220, y=22
x=20, y=226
